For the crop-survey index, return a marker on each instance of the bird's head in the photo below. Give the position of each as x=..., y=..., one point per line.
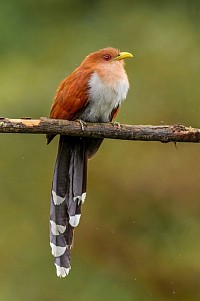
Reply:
x=106, y=56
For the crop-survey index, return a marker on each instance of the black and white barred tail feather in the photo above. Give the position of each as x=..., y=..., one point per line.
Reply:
x=68, y=194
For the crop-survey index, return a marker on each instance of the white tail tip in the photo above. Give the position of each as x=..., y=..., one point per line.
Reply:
x=74, y=220
x=62, y=271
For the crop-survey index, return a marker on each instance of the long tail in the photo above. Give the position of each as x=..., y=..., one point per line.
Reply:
x=68, y=194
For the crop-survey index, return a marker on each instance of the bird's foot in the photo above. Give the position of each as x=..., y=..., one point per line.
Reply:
x=116, y=124
x=82, y=124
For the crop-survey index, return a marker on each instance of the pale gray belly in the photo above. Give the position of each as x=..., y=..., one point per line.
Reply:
x=99, y=111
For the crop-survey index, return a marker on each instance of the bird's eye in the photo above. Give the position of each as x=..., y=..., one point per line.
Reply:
x=107, y=57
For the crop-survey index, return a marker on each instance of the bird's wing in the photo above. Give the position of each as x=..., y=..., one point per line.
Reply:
x=71, y=96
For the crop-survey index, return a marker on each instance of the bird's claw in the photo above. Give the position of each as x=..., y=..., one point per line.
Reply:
x=82, y=124
x=116, y=124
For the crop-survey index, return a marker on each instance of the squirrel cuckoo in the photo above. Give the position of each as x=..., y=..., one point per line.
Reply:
x=92, y=93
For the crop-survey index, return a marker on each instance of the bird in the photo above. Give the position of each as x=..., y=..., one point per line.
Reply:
x=93, y=92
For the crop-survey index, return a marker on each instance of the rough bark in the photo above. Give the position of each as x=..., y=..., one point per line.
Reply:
x=162, y=133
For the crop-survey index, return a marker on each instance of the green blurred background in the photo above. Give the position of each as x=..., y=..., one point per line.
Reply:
x=139, y=237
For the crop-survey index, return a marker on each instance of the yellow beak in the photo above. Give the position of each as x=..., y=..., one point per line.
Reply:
x=123, y=55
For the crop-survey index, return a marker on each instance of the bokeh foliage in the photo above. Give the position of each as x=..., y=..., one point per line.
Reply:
x=139, y=237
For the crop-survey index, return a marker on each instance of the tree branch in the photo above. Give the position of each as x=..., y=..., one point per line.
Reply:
x=162, y=133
